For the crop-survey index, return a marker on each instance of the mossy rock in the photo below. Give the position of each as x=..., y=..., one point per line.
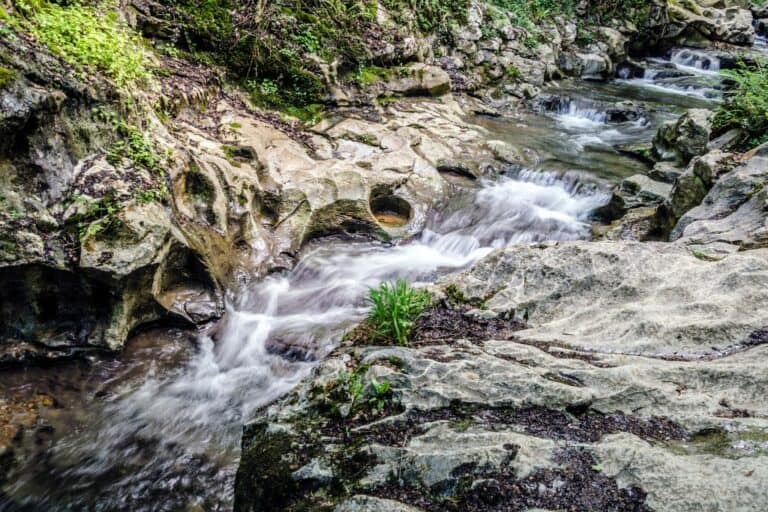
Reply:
x=7, y=77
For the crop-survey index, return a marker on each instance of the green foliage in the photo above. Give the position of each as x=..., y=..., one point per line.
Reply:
x=351, y=388
x=395, y=307
x=89, y=37
x=157, y=195
x=636, y=11
x=134, y=145
x=131, y=143
x=746, y=106
x=531, y=11
x=369, y=75
x=206, y=25
x=432, y=16
x=99, y=217
x=378, y=395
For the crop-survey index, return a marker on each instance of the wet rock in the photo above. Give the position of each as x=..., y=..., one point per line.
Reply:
x=569, y=300
x=476, y=425
x=640, y=190
x=686, y=138
x=640, y=151
x=638, y=224
x=692, y=186
x=690, y=483
x=666, y=172
x=590, y=66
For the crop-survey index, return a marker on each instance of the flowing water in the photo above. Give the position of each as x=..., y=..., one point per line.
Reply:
x=159, y=427
x=693, y=74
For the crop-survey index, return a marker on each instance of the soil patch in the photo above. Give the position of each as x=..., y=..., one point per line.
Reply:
x=578, y=485
x=443, y=324
x=575, y=426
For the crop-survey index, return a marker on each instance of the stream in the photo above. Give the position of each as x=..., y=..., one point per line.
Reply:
x=158, y=428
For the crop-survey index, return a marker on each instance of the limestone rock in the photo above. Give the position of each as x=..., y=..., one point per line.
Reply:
x=733, y=212
x=686, y=138
x=601, y=296
x=692, y=186
x=651, y=373
x=419, y=79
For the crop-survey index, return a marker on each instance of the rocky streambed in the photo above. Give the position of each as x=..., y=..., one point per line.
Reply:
x=624, y=374
x=595, y=253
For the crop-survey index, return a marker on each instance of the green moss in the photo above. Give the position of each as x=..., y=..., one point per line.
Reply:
x=7, y=76
x=89, y=37
x=370, y=75
x=134, y=145
x=514, y=73
x=456, y=296
x=431, y=16
x=264, y=478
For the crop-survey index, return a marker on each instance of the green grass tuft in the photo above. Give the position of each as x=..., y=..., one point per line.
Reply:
x=395, y=308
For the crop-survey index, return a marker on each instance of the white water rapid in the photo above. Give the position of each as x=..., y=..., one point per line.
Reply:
x=183, y=430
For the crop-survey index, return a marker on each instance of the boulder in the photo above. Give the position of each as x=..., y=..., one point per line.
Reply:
x=729, y=24
x=419, y=79
x=733, y=212
x=686, y=138
x=692, y=186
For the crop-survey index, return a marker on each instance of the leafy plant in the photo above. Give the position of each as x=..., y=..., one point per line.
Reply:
x=395, y=307
x=379, y=394
x=134, y=145
x=352, y=385
x=746, y=106
x=100, y=216
x=358, y=395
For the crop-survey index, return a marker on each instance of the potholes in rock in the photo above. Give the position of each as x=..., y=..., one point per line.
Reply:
x=201, y=193
x=577, y=485
x=456, y=173
x=391, y=211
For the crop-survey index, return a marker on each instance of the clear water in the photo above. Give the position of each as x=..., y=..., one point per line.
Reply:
x=685, y=72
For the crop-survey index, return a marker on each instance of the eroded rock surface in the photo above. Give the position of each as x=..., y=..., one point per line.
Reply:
x=640, y=369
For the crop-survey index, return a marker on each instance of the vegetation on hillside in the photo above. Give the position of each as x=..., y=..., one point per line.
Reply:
x=283, y=49
x=91, y=38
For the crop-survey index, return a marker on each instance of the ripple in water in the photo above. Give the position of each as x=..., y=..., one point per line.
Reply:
x=173, y=442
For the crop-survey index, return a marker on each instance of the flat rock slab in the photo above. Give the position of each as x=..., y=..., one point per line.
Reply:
x=626, y=297
x=640, y=384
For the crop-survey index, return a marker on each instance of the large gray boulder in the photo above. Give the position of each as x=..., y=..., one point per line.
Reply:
x=733, y=212
x=694, y=184
x=686, y=138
